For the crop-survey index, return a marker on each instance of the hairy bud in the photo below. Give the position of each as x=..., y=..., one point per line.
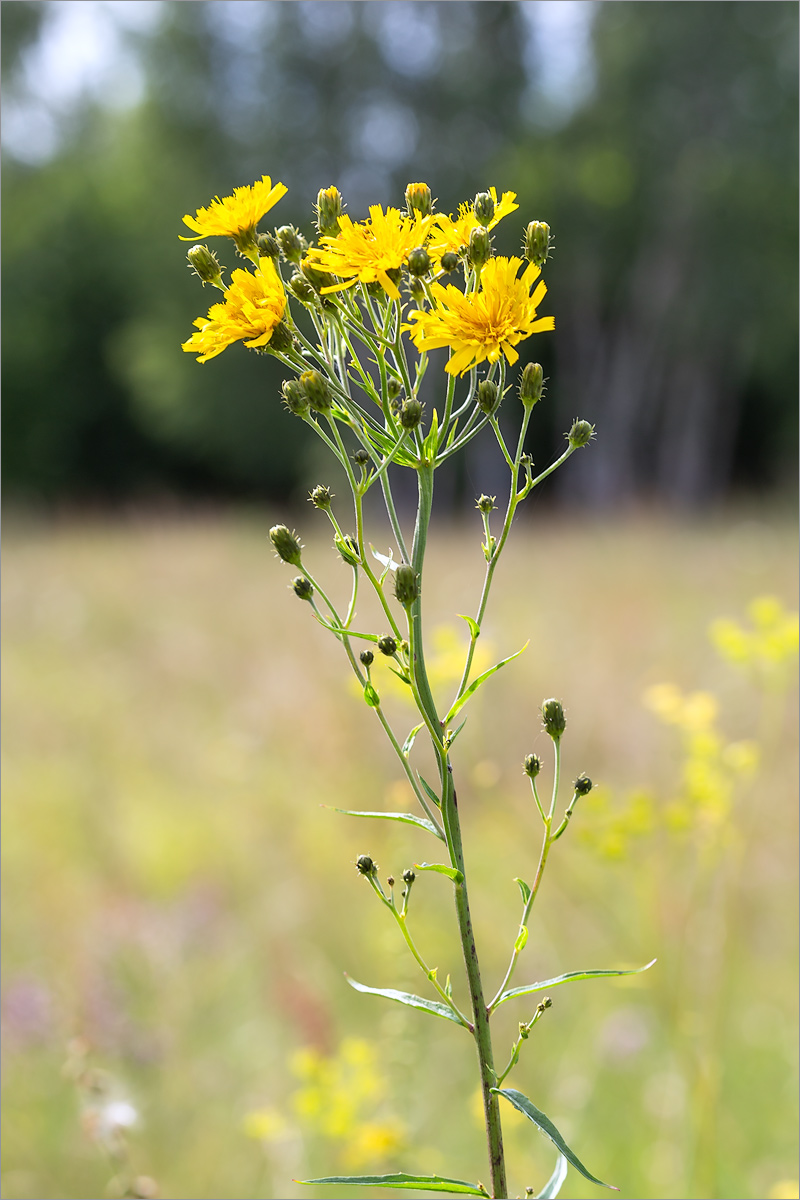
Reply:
x=367, y=658
x=418, y=261
x=329, y=208
x=321, y=496
x=267, y=246
x=419, y=199
x=303, y=587
x=292, y=243
x=410, y=414
x=282, y=338
x=553, y=718
x=531, y=384
x=580, y=434
x=406, y=584
x=537, y=243
x=387, y=645
x=286, y=544
x=480, y=247
x=205, y=265
x=583, y=785
x=409, y=876
x=317, y=390
x=361, y=458
x=295, y=397
x=488, y=396
x=483, y=208
x=300, y=287
x=449, y=261
x=485, y=504
x=365, y=865
x=532, y=765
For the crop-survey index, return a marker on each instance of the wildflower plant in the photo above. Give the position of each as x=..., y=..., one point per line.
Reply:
x=352, y=316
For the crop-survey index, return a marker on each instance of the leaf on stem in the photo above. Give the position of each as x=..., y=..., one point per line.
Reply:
x=371, y=696
x=451, y=737
x=404, y=1182
x=408, y=818
x=430, y=792
x=553, y=1185
x=409, y=742
x=543, y=1122
x=431, y=443
x=524, y=889
x=451, y=872
x=474, y=627
x=432, y=1006
x=549, y=983
x=387, y=562
x=476, y=683
x=522, y=938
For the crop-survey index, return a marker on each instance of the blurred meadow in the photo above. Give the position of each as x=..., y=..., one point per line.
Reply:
x=180, y=907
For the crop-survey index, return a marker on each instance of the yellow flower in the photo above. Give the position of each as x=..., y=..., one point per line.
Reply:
x=368, y=251
x=236, y=214
x=485, y=324
x=453, y=233
x=254, y=304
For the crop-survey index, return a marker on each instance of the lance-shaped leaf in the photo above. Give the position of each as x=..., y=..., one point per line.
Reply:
x=408, y=818
x=409, y=742
x=431, y=793
x=431, y=443
x=524, y=890
x=435, y=1007
x=526, y=989
x=476, y=683
x=451, y=872
x=474, y=627
x=543, y=1122
x=415, y=1183
x=553, y=1185
x=371, y=696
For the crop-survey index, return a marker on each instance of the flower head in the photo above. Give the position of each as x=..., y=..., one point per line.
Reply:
x=237, y=214
x=484, y=324
x=254, y=305
x=369, y=250
x=453, y=233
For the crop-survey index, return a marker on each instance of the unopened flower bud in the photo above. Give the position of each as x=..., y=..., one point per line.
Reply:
x=580, y=434
x=292, y=243
x=390, y=880
x=449, y=261
x=301, y=288
x=282, y=338
x=409, y=876
x=318, y=279
x=406, y=584
x=348, y=548
x=329, y=208
x=365, y=865
x=553, y=718
x=531, y=384
x=484, y=208
x=583, y=785
x=410, y=413
x=418, y=261
x=267, y=246
x=537, y=243
x=286, y=544
x=205, y=265
x=303, y=587
x=321, y=496
x=387, y=645
x=367, y=658
x=295, y=396
x=485, y=504
x=361, y=457
x=532, y=765
x=393, y=387
x=480, y=246
x=416, y=290
x=419, y=199
x=317, y=389
x=546, y=1002
x=488, y=396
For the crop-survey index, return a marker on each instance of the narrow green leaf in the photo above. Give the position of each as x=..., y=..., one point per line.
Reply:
x=404, y=1182
x=451, y=872
x=474, y=627
x=543, y=1122
x=522, y=938
x=476, y=683
x=409, y=742
x=553, y=1185
x=371, y=696
x=524, y=889
x=451, y=737
x=431, y=443
x=432, y=1006
x=431, y=793
x=548, y=983
x=408, y=818
x=401, y=675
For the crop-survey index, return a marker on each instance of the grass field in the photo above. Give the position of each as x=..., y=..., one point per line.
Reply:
x=180, y=909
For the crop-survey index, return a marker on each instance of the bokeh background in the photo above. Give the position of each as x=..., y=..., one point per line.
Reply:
x=180, y=909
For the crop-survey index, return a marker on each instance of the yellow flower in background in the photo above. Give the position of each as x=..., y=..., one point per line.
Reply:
x=767, y=647
x=453, y=233
x=236, y=214
x=266, y=1125
x=484, y=324
x=254, y=304
x=366, y=252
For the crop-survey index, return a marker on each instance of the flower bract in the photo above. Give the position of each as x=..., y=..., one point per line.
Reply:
x=453, y=233
x=484, y=324
x=254, y=304
x=366, y=252
x=236, y=214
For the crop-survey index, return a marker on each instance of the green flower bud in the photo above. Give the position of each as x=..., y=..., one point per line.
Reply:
x=396, y=275
x=295, y=397
x=531, y=385
x=361, y=457
x=246, y=242
x=480, y=247
x=302, y=289
x=292, y=243
x=286, y=544
x=387, y=645
x=393, y=387
x=406, y=584
x=532, y=765
x=317, y=390
x=416, y=290
x=267, y=246
x=580, y=434
x=365, y=865
x=367, y=658
x=317, y=279
x=410, y=414
x=348, y=548
x=303, y=587
x=419, y=199
x=485, y=504
x=583, y=785
x=553, y=717
x=321, y=496
x=449, y=261
x=390, y=880
x=418, y=261
x=488, y=396
x=282, y=338
x=329, y=208
x=483, y=208
x=409, y=876
x=205, y=265
x=537, y=243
